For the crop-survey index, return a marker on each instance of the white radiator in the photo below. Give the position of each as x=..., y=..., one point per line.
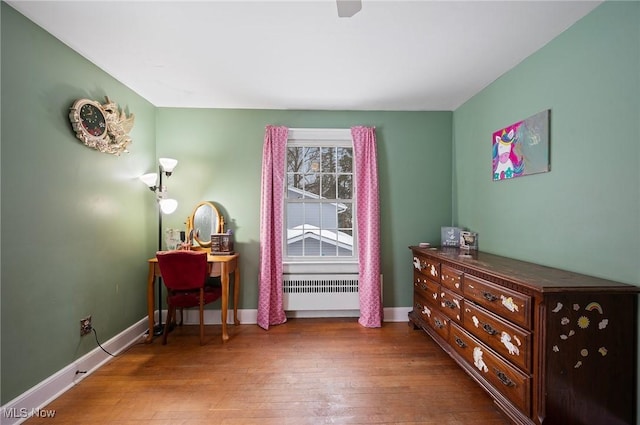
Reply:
x=305, y=292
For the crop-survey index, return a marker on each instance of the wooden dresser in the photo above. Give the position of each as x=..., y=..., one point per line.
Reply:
x=551, y=347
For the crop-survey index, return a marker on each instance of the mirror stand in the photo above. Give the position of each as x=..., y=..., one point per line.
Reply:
x=202, y=223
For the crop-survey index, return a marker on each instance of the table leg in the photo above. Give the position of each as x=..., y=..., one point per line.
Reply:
x=236, y=294
x=224, y=277
x=150, y=305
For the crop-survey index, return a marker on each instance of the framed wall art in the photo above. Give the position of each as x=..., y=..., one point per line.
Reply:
x=522, y=148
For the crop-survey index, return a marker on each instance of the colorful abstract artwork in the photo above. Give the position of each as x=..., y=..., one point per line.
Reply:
x=522, y=148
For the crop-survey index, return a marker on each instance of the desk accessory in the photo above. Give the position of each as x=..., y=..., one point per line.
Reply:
x=450, y=236
x=222, y=243
x=468, y=240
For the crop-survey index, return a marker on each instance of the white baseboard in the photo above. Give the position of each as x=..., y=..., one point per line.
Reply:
x=214, y=317
x=397, y=314
x=305, y=314
x=391, y=314
x=250, y=316
x=33, y=400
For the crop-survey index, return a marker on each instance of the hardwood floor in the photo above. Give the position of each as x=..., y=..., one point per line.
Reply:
x=306, y=371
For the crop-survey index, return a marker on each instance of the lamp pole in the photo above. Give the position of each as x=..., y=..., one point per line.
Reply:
x=159, y=329
x=166, y=205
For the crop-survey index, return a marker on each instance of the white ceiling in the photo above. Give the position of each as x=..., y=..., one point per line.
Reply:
x=392, y=55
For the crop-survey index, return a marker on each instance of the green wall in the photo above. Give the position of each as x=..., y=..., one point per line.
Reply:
x=584, y=215
x=76, y=223
x=220, y=160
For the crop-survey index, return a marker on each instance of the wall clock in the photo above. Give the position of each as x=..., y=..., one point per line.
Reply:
x=88, y=120
x=101, y=126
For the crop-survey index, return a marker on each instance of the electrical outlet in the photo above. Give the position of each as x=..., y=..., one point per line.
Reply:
x=85, y=326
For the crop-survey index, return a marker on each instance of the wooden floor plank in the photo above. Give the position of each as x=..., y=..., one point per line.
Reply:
x=306, y=371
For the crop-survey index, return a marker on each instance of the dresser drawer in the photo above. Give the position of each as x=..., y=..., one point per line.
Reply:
x=512, y=342
x=451, y=278
x=427, y=267
x=451, y=304
x=425, y=287
x=509, y=381
x=511, y=305
x=430, y=314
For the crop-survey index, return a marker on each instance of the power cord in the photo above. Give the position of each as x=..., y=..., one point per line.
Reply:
x=81, y=372
x=98, y=342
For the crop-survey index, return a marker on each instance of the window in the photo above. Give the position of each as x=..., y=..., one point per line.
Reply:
x=319, y=200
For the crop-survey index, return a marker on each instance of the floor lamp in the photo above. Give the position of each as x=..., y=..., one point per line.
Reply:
x=166, y=206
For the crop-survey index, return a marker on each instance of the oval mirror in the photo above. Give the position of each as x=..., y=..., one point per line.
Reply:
x=204, y=221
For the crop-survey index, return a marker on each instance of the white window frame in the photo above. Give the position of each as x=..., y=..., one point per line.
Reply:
x=316, y=137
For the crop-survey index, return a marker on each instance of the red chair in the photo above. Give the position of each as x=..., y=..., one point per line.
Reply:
x=184, y=274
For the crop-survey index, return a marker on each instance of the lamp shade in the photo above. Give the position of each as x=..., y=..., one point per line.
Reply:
x=168, y=206
x=149, y=179
x=168, y=164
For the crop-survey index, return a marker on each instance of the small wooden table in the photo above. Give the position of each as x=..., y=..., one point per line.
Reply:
x=222, y=265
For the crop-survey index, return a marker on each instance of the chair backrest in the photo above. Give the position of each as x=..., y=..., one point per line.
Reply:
x=183, y=270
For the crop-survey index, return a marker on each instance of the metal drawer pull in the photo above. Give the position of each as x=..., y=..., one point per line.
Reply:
x=438, y=323
x=489, y=296
x=488, y=329
x=419, y=306
x=449, y=304
x=504, y=379
x=423, y=286
x=460, y=343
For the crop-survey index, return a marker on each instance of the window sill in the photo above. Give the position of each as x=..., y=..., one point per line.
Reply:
x=317, y=267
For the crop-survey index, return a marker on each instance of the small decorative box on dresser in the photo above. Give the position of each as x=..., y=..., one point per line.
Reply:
x=550, y=347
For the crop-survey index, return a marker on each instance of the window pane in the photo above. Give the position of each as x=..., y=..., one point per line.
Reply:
x=328, y=160
x=346, y=233
x=295, y=217
x=329, y=186
x=312, y=185
x=312, y=216
x=311, y=160
x=345, y=251
x=329, y=246
x=345, y=186
x=294, y=159
x=294, y=187
x=311, y=247
x=297, y=181
x=345, y=243
x=345, y=216
x=295, y=249
x=345, y=160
